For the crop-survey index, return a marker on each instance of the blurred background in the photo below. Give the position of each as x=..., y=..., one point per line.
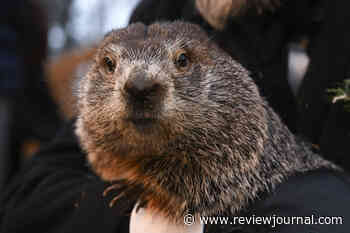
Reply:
x=75, y=23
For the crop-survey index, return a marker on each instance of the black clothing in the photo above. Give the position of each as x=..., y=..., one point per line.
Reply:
x=57, y=192
x=322, y=122
x=319, y=194
x=32, y=116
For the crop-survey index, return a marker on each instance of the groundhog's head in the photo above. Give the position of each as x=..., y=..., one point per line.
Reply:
x=165, y=109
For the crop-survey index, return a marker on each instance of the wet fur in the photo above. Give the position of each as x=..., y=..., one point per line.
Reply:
x=216, y=145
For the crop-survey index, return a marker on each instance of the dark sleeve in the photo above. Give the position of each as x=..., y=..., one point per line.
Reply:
x=318, y=194
x=306, y=198
x=56, y=192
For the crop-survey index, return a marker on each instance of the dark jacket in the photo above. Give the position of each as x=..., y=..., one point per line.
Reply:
x=32, y=115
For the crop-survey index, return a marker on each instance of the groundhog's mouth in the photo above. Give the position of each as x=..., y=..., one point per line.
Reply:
x=143, y=123
x=143, y=119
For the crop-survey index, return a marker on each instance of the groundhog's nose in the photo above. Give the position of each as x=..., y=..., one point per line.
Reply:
x=141, y=88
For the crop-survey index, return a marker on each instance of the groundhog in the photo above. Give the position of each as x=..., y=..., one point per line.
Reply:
x=171, y=116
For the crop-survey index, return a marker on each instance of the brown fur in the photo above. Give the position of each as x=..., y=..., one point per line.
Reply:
x=214, y=145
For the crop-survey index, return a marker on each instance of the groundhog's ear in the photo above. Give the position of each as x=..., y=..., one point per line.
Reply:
x=217, y=12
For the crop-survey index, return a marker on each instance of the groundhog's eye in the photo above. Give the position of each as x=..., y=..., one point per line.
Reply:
x=109, y=64
x=182, y=60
